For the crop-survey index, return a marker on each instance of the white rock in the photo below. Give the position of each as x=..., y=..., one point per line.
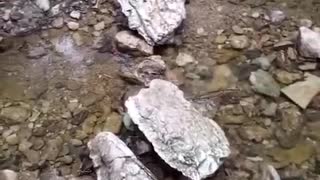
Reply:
x=43, y=4
x=75, y=14
x=155, y=20
x=309, y=43
x=239, y=42
x=73, y=25
x=302, y=92
x=7, y=174
x=114, y=160
x=99, y=26
x=127, y=41
x=183, y=59
x=6, y=15
x=277, y=16
x=181, y=135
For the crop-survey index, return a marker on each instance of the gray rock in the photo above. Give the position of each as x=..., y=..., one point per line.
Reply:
x=32, y=156
x=51, y=174
x=75, y=14
x=308, y=66
x=286, y=77
x=253, y=133
x=277, y=16
x=130, y=43
x=181, y=135
x=264, y=83
x=43, y=4
x=99, y=26
x=12, y=139
x=305, y=23
x=183, y=59
x=14, y=114
x=309, y=43
x=73, y=25
x=114, y=160
x=239, y=42
x=291, y=126
x=303, y=92
x=58, y=22
x=37, y=52
x=237, y=30
x=53, y=148
x=7, y=174
x=265, y=61
x=155, y=20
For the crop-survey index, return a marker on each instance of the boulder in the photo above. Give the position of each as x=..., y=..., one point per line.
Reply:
x=186, y=140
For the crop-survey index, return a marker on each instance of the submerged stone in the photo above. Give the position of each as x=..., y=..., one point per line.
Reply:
x=180, y=134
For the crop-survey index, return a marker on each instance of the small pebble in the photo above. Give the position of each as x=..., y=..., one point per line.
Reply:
x=75, y=14
x=73, y=25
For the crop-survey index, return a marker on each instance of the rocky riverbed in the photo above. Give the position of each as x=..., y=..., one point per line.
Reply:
x=65, y=73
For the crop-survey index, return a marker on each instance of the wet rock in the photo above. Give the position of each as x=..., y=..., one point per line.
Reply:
x=73, y=25
x=239, y=42
x=170, y=108
x=223, y=78
x=128, y=42
x=302, y=92
x=264, y=83
x=151, y=18
x=58, y=22
x=276, y=16
x=264, y=61
x=15, y=16
x=270, y=109
x=79, y=117
x=32, y=156
x=309, y=43
x=237, y=30
x=50, y=174
x=221, y=39
x=113, y=123
x=313, y=130
x=37, y=52
x=89, y=123
x=183, y=59
x=308, y=66
x=53, y=148
x=286, y=77
x=24, y=146
x=37, y=143
x=204, y=72
x=14, y=114
x=75, y=14
x=7, y=174
x=305, y=23
x=297, y=155
x=283, y=44
x=12, y=139
x=312, y=114
x=90, y=99
x=28, y=175
x=288, y=134
x=232, y=119
x=224, y=56
x=99, y=26
x=66, y=159
x=176, y=76
x=253, y=53
x=75, y=142
x=254, y=133
x=123, y=164
x=43, y=4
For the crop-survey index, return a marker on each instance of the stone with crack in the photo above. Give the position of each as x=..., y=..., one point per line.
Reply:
x=181, y=135
x=155, y=20
x=114, y=160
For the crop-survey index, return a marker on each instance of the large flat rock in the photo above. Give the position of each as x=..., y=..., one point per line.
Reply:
x=181, y=135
